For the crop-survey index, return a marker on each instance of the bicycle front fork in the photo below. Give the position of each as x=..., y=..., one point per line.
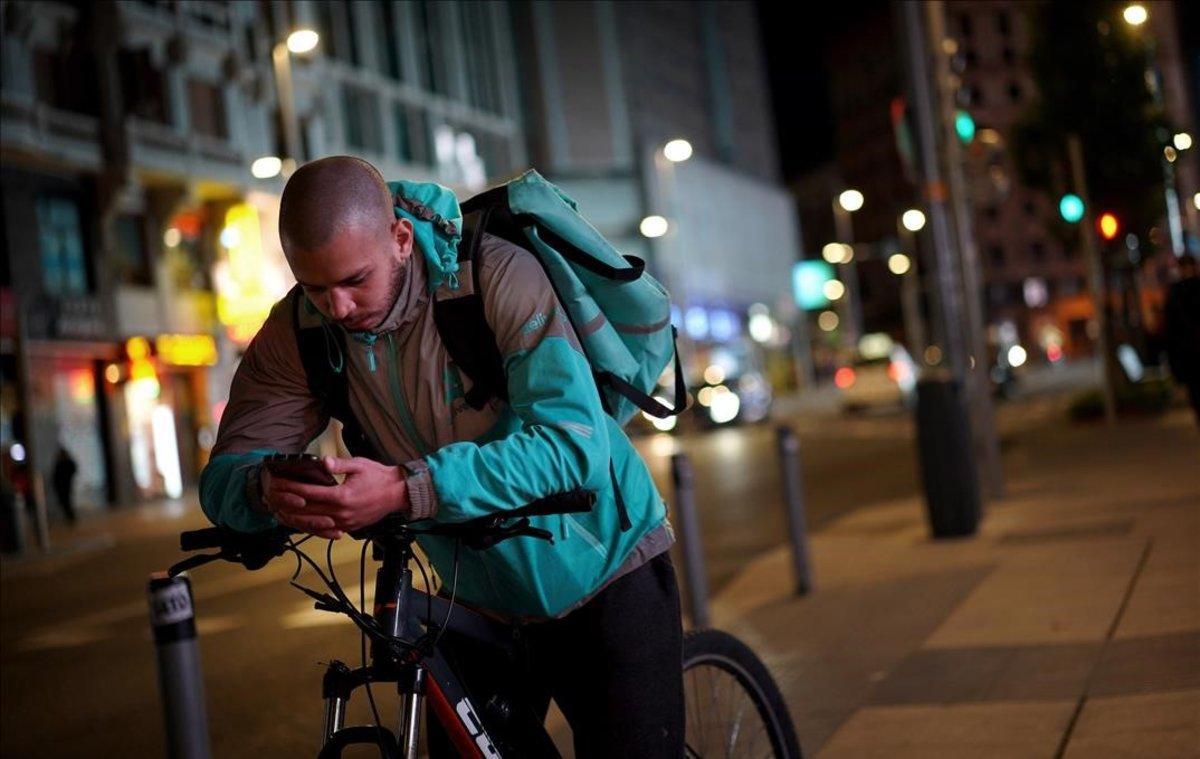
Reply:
x=340, y=681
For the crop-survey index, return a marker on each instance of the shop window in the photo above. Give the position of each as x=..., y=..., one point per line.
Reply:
x=61, y=246
x=207, y=109
x=143, y=86
x=131, y=259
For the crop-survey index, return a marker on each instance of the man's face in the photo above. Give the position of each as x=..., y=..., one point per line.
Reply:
x=355, y=278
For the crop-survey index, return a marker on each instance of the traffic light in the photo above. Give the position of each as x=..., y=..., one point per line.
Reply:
x=1070, y=206
x=1108, y=225
x=964, y=126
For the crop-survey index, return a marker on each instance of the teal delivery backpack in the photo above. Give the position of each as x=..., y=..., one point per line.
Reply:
x=620, y=313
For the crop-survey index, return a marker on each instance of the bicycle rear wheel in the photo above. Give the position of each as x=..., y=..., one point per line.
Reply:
x=734, y=708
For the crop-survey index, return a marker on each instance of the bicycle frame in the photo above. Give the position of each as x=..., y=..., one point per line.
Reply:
x=397, y=607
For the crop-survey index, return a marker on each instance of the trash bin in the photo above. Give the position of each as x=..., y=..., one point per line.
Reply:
x=947, y=457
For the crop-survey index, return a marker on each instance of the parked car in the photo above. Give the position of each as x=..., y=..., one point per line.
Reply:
x=885, y=381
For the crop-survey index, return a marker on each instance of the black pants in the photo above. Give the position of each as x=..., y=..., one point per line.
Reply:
x=613, y=666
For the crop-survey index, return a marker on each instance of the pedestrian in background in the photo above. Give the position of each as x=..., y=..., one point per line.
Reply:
x=64, y=482
x=1182, y=317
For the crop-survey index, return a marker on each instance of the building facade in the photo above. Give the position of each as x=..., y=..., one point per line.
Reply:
x=606, y=86
x=1035, y=285
x=141, y=252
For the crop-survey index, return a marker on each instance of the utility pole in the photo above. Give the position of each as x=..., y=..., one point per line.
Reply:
x=934, y=192
x=1091, y=251
x=979, y=384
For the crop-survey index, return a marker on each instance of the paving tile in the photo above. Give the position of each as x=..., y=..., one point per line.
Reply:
x=827, y=650
x=1160, y=725
x=1030, y=730
x=1066, y=592
x=1166, y=598
x=1157, y=662
x=1007, y=673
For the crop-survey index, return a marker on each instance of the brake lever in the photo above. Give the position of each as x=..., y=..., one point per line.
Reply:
x=192, y=562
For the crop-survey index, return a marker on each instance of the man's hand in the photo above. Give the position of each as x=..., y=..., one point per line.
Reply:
x=369, y=492
x=290, y=509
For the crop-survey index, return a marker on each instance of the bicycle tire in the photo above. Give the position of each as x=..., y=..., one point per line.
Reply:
x=715, y=648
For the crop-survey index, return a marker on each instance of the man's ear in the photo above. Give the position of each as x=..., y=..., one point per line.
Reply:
x=402, y=233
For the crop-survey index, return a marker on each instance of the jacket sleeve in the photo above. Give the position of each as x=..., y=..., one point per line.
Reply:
x=563, y=440
x=270, y=410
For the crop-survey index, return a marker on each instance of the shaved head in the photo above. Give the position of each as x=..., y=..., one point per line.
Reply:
x=343, y=242
x=330, y=196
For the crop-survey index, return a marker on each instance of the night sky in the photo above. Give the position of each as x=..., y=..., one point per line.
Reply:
x=795, y=40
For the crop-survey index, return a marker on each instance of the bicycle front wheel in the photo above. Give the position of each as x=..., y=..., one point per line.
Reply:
x=734, y=707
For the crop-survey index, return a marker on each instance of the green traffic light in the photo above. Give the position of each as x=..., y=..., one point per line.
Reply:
x=1071, y=207
x=964, y=125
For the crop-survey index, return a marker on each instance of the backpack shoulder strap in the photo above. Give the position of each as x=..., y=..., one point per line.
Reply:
x=462, y=325
x=322, y=353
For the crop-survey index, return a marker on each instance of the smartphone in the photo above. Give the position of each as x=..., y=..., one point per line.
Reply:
x=301, y=467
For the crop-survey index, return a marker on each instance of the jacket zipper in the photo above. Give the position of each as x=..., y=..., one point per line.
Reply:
x=406, y=418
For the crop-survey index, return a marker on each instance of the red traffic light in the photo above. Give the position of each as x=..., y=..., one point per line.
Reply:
x=1108, y=226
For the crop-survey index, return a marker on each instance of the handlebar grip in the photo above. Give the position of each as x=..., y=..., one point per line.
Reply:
x=196, y=540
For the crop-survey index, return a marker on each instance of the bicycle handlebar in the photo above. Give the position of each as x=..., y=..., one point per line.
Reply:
x=254, y=550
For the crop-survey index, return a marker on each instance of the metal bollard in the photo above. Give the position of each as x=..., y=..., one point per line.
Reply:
x=793, y=499
x=689, y=539
x=180, y=678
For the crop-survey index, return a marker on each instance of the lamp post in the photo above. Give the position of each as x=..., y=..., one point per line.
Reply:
x=846, y=203
x=299, y=42
x=907, y=226
x=1136, y=15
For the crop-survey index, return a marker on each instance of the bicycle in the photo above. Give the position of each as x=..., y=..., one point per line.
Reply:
x=405, y=648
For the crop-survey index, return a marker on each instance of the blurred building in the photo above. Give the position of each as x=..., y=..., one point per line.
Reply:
x=141, y=253
x=606, y=86
x=1035, y=287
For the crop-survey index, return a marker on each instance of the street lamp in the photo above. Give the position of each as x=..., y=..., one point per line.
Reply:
x=898, y=263
x=846, y=203
x=266, y=167
x=913, y=220
x=1182, y=141
x=1135, y=14
x=653, y=226
x=299, y=42
x=851, y=200
x=677, y=151
x=302, y=41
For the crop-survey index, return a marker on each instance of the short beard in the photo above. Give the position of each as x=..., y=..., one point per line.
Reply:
x=395, y=284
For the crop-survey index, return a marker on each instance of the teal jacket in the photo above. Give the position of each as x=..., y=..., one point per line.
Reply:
x=551, y=436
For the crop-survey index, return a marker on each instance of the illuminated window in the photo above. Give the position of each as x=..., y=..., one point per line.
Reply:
x=61, y=247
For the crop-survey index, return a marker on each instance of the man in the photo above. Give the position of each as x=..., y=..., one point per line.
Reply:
x=1182, y=317
x=600, y=604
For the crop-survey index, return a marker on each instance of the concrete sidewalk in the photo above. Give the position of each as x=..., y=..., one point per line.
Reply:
x=1070, y=626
